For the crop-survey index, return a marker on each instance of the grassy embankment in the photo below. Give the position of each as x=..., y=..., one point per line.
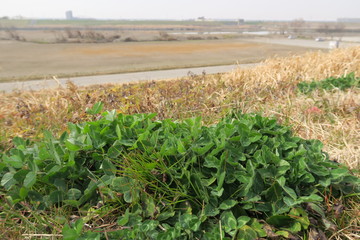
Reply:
x=330, y=116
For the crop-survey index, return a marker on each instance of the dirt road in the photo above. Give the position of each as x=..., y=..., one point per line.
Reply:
x=116, y=78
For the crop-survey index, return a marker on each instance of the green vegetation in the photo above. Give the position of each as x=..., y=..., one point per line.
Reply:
x=242, y=178
x=96, y=154
x=344, y=82
x=10, y=23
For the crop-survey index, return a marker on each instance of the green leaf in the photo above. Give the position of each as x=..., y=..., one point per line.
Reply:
x=210, y=210
x=242, y=221
x=69, y=233
x=90, y=236
x=134, y=220
x=312, y=207
x=258, y=227
x=124, y=219
x=180, y=147
x=290, y=202
x=339, y=173
x=300, y=216
x=19, y=142
x=30, y=180
x=13, y=161
x=201, y=150
x=8, y=180
x=312, y=198
x=285, y=234
x=228, y=221
x=72, y=203
x=23, y=192
x=118, y=132
x=60, y=184
x=212, y=162
x=247, y=233
x=294, y=227
x=189, y=221
x=165, y=215
x=227, y=204
x=217, y=193
x=79, y=224
x=108, y=167
x=35, y=196
x=72, y=145
x=149, y=207
x=110, y=115
x=53, y=170
x=279, y=220
x=115, y=150
x=95, y=109
x=122, y=184
x=74, y=194
x=287, y=190
x=148, y=225
x=290, y=192
x=167, y=148
x=131, y=196
x=56, y=196
x=254, y=137
x=150, y=166
x=53, y=153
x=20, y=175
x=220, y=180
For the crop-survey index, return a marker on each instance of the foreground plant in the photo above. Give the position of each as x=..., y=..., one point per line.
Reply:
x=245, y=177
x=344, y=82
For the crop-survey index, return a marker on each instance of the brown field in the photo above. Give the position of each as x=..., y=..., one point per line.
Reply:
x=28, y=60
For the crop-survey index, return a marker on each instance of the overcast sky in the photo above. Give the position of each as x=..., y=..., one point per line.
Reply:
x=184, y=9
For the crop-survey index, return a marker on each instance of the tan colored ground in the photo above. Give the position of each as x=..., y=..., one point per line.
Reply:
x=170, y=48
x=25, y=60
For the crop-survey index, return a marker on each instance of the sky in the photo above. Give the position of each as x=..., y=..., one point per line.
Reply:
x=184, y=9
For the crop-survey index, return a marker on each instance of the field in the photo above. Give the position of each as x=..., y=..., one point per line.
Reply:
x=270, y=89
x=28, y=60
x=41, y=49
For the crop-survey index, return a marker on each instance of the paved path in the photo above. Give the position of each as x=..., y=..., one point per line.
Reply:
x=116, y=78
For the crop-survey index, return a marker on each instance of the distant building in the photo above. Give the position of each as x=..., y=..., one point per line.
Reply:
x=69, y=15
x=203, y=19
x=349, y=20
x=240, y=21
x=18, y=17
